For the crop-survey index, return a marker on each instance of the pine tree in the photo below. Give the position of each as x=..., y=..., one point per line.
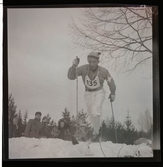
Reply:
x=11, y=108
x=20, y=124
x=103, y=130
x=128, y=123
x=81, y=122
x=120, y=132
x=107, y=121
x=47, y=126
x=111, y=130
x=82, y=117
x=25, y=118
x=130, y=132
x=48, y=119
x=11, y=114
x=66, y=115
x=52, y=123
x=73, y=121
x=145, y=122
x=24, y=121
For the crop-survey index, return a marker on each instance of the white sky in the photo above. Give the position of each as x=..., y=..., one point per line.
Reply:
x=40, y=51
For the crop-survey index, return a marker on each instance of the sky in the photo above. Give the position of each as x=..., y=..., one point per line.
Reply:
x=40, y=52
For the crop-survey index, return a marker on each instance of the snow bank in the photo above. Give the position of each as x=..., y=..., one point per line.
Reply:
x=57, y=148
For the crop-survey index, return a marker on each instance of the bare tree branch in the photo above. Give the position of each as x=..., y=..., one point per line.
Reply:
x=140, y=62
x=122, y=34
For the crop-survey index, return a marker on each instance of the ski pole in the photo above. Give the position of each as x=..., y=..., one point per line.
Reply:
x=76, y=90
x=73, y=139
x=114, y=123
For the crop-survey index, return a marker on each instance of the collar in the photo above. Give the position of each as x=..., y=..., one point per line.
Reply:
x=94, y=70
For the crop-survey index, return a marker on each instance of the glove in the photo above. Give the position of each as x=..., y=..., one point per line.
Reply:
x=76, y=62
x=111, y=97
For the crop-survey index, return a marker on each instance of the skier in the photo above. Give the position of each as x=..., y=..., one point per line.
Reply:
x=93, y=77
x=34, y=126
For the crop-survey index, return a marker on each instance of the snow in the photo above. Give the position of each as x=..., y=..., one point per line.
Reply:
x=57, y=148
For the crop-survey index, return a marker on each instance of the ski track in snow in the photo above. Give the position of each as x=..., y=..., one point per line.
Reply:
x=57, y=148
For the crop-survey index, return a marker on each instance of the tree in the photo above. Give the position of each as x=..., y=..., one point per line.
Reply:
x=120, y=130
x=66, y=115
x=112, y=127
x=48, y=119
x=11, y=108
x=122, y=34
x=24, y=121
x=20, y=125
x=103, y=130
x=130, y=132
x=11, y=114
x=47, y=126
x=107, y=121
x=128, y=123
x=25, y=118
x=82, y=117
x=80, y=127
x=141, y=124
x=147, y=120
x=145, y=123
x=52, y=122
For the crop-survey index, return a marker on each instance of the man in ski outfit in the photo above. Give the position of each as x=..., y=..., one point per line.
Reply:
x=93, y=77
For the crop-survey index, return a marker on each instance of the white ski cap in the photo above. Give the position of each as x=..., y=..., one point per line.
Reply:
x=94, y=54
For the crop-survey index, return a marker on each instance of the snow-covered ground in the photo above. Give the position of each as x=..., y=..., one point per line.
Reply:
x=57, y=148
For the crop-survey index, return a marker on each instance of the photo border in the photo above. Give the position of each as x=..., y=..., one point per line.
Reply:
x=156, y=88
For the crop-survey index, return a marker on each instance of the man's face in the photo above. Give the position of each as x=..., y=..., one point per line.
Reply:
x=38, y=116
x=93, y=63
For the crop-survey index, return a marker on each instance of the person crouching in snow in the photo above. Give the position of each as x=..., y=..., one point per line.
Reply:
x=34, y=126
x=93, y=77
x=63, y=129
x=82, y=132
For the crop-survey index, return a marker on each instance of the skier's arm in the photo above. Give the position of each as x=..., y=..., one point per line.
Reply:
x=28, y=128
x=73, y=72
x=110, y=82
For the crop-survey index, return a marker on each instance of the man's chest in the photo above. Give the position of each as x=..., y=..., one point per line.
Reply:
x=92, y=75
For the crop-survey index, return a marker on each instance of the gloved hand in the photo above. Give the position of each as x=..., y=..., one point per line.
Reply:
x=111, y=97
x=76, y=62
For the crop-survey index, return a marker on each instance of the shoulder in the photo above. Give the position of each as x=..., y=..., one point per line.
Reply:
x=83, y=67
x=104, y=72
x=103, y=69
x=31, y=120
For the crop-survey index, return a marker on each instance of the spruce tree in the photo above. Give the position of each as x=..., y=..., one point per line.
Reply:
x=20, y=125
x=130, y=132
x=25, y=118
x=103, y=130
x=12, y=107
x=66, y=115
